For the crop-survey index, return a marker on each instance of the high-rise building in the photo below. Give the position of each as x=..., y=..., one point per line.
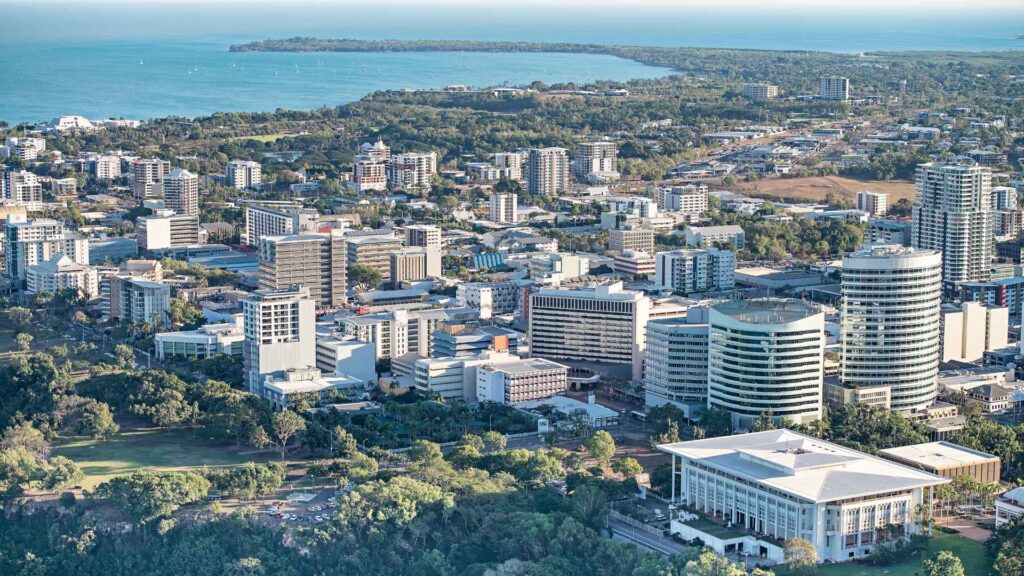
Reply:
x=378, y=150
x=596, y=160
x=181, y=192
x=1004, y=198
x=412, y=171
x=689, y=199
x=22, y=186
x=509, y=165
x=373, y=251
x=504, y=207
x=105, y=167
x=417, y=263
x=280, y=334
x=370, y=174
x=402, y=332
x=759, y=91
x=314, y=261
x=61, y=273
x=834, y=88
x=766, y=355
x=140, y=301
x=277, y=221
x=423, y=235
x=953, y=214
x=243, y=174
x=890, y=323
x=148, y=176
x=547, y=171
x=873, y=203
x=695, y=270
x=971, y=329
x=599, y=324
x=490, y=298
x=165, y=229
x=633, y=238
x=24, y=147
x=31, y=242
x=676, y=362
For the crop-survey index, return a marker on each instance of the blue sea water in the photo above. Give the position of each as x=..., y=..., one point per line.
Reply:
x=143, y=60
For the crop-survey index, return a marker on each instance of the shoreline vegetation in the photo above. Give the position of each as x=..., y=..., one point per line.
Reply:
x=682, y=59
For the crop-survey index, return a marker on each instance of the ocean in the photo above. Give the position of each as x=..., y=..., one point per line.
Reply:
x=141, y=61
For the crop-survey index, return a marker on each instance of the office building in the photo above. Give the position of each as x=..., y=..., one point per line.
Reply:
x=602, y=324
x=22, y=187
x=971, y=329
x=689, y=199
x=953, y=214
x=637, y=239
x=31, y=242
x=181, y=192
x=277, y=221
x=640, y=206
x=314, y=261
x=888, y=232
x=561, y=266
x=373, y=251
x=760, y=91
x=520, y=381
x=423, y=235
x=890, y=323
x=504, y=208
x=280, y=334
x=283, y=388
x=454, y=339
x=62, y=273
x=401, y=332
x=242, y=174
x=676, y=362
x=490, y=298
x=632, y=264
x=776, y=485
x=140, y=301
x=547, y=172
x=412, y=171
x=509, y=165
x=703, y=236
x=412, y=264
x=369, y=174
x=148, y=177
x=693, y=271
x=207, y=340
x=766, y=355
x=873, y=203
x=947, y=460
x=596, y=160
x=454, y=379
x=834, y=88
x=340, y=354
x=165, y=229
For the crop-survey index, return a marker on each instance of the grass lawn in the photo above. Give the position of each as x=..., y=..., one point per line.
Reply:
x=971, y=554
x=149, y=449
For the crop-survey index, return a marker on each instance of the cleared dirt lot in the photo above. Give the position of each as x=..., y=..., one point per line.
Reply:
x=815, y=188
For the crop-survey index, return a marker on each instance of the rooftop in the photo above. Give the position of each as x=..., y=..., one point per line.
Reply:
x=767, y=310
x=938, y=455
x=802, y=466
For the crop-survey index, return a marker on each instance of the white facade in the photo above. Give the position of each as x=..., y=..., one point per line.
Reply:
x=757, y=91
x=873, y=203
x=277, y=221
x=636, y=205
x=676, y=363
x=400, y=332
x=504, y=207
x=766, y=355
x=106, y=167
x=423, y=235
x=634, y=263
x=701, y=236
x=834, y=88
x=282, y=388
x=954, y=215
x=23, y=187
x=205, y=341
x=454, y=379
x=890, y=323
x=24, y=147
x=181, y=192
x=547, y=171
x=971, y=329
x=148, y=177
x=510, y=165
x=491, y=298
x=520, y=381
x=596, y=160
x=243, y=174
x=165, y=229
x=62, y=273
x=412, y=171
x=31, y=242
x=776, y=485
x=143, y=301
x=346, y=355
x=1009, y=506
x=695, y=270
x=689, y=199
x=280, y=334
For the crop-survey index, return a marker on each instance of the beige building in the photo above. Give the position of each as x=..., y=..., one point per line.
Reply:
x=413, y=264
x=760, y=91
x=596, y=160
x=634, y=263
x=242, y=174
x=947, y=460
x=547, y=171
x=148, y=177
x=370, y=174
x=424, y=235
x=314, y=261
x=373, y=251
x=636, y=239
x=971, y=329
x=504, y=207
x=181, y=192
x=165, y=229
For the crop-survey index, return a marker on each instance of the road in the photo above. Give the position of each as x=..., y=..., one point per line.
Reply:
x=650, y=541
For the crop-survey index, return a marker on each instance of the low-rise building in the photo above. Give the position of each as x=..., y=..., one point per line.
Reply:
x=695, y=270
x=309, y=386
x=947, y=460
x=340, y=354
x=61, y=273
x=203, y=342
x=165, y=229
x=632, y=263
x=520, y=381
x=1009, y=506
x=703, y=236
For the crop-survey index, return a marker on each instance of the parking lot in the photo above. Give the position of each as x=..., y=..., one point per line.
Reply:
x=305, y=507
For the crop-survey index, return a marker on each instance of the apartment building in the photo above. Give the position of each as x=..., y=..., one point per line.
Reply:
x=510, y=165
x=834, y=88
x=105, y=167
x=411, y=264
x=874, y=204
x=280, y=334
x=412, y=171
x=760, y=91
x=689, y=199
x=692, y=271
x=401, y=332
x=62, y=273
x=243, y=174
x=314, y=261
x=369, y=174
x=596, y=161
x=547, y=171
x=22, y=187
x=423, y=235
x=31, y=242
x=632, y=264
x=703, y=236
x=971, y=329
x=277, y=220
x=148, y=177
x=140, y=301
x=181, y=192
x=504, y=207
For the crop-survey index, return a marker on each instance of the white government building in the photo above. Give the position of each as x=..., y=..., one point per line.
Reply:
x=750, y=492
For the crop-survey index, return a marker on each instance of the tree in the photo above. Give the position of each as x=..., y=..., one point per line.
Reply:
x=125, y=356
x=149, y=495
x=628, y=467
x=396, y=502
x=366, y=276
x=344, y=442
x=425, y=451
x=801, y=556
x=473, y=441
x=711, y=564
x=285, y=426
x=249, y=480
x=25, y=436
x=19, y=317
x=600, y=446
x=494, y=440
x=716, y=421
x=59, y=473
x=766, y=421
x=18, y=468
x=186, y=314
x=24, y=340
x=944, y=564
